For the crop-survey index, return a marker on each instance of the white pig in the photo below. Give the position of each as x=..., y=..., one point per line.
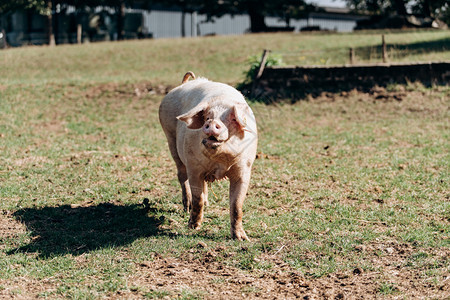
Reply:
x=211, y=132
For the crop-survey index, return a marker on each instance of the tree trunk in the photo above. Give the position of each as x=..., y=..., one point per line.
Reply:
x=51, y=34
x=427, y=8
x=120, y=21
x=257, y=22
x=79, y=33
x=373, y=6
x=287, y=20
x=29, y=15
x=183, y=27
x=400, y=7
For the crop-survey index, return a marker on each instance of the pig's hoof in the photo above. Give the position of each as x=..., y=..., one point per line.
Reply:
x=240, y=235
x=187, y=205
x=194, y=225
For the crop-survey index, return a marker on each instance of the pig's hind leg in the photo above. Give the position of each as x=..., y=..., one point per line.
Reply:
x=185, y=187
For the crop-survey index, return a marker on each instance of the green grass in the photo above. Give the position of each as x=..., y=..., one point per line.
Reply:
x=80, y=151
x=163, y=60
x=388, y=289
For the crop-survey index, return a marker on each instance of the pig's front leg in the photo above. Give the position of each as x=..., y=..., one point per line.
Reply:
x=199, y=190
x=185, y=187
x=238, y=190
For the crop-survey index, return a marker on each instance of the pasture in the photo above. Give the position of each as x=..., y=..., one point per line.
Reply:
x=349, y=194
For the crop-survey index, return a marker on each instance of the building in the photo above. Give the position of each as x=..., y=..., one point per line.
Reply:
x=168, y=24
x=71, y=26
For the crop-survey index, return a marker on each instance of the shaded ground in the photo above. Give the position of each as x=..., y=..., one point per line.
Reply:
x=297, y=83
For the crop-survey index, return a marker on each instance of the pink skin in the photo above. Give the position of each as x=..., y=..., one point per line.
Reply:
x=211, y=133
x=213, y=128
x=216, y=126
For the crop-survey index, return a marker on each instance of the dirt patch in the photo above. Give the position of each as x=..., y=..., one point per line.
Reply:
x=213, y=280
x=54, y=126
x=374, y=94
x=33, y=161
x=131, y=90
x=10, y=228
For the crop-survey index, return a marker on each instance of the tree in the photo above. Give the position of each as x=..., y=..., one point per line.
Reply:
x=8, y=6
x=433, y=8
x=118, y=6
x=426, y=8
x=256, y=9
x=43, y=7
x=51, y=34
x=400, y=7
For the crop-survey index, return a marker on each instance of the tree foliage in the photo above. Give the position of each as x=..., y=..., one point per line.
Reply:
x=256, y=9
x=426, y=8
x=7, y=6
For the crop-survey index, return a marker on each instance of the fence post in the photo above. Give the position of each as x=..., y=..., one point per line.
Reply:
x=262, y=63
x=4, y=44
x=261, y=67
x=385, y=58
x=352, y=56
x=79, y=33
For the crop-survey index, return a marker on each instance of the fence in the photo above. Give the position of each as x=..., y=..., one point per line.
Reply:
x=383, y=52
x=297, y=81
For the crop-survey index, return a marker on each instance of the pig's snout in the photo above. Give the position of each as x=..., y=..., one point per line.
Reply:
x=213, y=128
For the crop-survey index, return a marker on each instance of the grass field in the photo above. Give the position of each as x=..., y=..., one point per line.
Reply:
x=221, y=58
x=349, y=194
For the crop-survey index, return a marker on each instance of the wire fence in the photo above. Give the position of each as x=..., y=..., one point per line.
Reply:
x=340, y=56
x=381, y=53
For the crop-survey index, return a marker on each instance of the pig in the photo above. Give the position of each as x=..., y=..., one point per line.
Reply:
x=212, y=135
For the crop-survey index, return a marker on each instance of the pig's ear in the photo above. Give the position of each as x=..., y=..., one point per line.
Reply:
x=238, y=116
x=194, y=118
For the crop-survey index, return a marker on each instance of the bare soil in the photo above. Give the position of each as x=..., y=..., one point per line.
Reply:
x=283, y=282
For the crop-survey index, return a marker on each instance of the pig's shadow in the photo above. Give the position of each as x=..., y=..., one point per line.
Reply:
x=75, y=230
